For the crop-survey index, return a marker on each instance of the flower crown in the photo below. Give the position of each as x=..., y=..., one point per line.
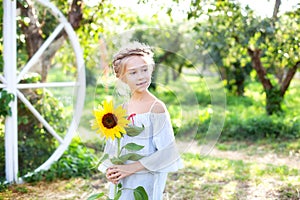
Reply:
x=132, y=49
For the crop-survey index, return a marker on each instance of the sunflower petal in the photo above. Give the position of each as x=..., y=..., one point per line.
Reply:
x=116, y=129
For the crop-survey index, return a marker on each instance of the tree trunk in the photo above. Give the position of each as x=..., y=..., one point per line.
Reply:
x=33, y=33
x=261, y=71
x=273, y=97
x=273, y=101
x=32, y=30
x=239, y=77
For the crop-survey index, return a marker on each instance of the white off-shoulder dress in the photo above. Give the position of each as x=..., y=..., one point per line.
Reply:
x=160, y=155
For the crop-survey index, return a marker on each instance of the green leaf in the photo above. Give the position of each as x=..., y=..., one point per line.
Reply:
x=134, y=130
x=140, y=193
x=116, y=161
x=104, y=157
x=133, y=147
x=130, y=156
x=96, y=196
x=119, y=185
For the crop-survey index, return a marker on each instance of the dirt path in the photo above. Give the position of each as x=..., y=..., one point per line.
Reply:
x=193, y=147
x=268, y=158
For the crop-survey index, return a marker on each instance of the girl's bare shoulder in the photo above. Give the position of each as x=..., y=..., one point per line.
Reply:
x=158, y=107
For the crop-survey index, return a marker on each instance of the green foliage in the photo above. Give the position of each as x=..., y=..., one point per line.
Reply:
x=134, y=130
x=96, y=196
x=132, y=147
x=229, y=33
x=1, y=36
x=140, y=193
x=34, y=142
x=76, y=161
x=225, y=30
x=90, y=77
x=5, y=99
x=246, y=119
x=260, y=127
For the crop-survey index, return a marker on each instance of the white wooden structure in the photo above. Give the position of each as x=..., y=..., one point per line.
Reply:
x=10, y=82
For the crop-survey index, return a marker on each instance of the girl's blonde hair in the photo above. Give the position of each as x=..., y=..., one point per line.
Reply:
x=132, y=49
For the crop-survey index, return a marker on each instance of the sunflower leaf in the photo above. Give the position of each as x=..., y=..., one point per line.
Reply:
x=134, y=130
x=104, y=157
x=96, y=196
x=140, y=193
x=131, y=156
x=133, y=147
x=117, y=161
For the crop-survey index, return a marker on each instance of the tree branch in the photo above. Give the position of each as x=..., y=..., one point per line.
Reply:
x=276, y=10
x=75, y=14
x=32, y=30
x=261, y=71
x=288, y=78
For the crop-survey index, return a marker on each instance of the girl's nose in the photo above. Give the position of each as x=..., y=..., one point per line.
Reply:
x=140, y=75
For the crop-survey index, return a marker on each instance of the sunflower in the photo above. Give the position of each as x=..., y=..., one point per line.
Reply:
x=110, y=122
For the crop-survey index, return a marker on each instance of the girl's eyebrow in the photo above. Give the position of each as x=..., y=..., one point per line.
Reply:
x=131, y=70
x=138, y=66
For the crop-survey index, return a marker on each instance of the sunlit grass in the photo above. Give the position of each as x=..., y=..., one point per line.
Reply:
x=203, y=177
x=216, y=178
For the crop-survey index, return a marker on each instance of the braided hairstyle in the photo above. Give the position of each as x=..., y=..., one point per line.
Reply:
x=132, y=49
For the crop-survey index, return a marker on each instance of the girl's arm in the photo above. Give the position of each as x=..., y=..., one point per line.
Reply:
x=117, y=172
x=167, y=157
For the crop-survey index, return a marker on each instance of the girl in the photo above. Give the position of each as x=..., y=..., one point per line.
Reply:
x=134, y=65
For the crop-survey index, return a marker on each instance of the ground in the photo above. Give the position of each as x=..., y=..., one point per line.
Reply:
x=264, y=158
x=191, y=184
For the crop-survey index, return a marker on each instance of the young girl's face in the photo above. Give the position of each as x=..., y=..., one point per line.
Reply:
x=137, y=74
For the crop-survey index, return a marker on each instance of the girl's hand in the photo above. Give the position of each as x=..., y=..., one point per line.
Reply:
x=117, y=172
x=111, y=175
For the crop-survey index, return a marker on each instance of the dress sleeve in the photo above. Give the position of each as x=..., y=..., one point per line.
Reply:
x=110, y=150
x=166, y=158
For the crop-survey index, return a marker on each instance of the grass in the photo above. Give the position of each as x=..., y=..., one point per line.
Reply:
x=263, y=146
x=202, y=178
x=215, y=178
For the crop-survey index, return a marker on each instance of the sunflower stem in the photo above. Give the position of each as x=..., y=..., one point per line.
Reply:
x=118, y=155
x=119, y=148
x=116, y=190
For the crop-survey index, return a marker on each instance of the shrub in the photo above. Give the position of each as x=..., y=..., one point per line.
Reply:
x=77, y=161
x=259, y=127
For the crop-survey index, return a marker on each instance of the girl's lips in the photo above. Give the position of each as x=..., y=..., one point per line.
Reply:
x=139, y=84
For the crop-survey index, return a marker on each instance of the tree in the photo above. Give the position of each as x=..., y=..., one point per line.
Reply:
x=36, y=31
x=274, y=52
x=224, y=30
x=235, y=36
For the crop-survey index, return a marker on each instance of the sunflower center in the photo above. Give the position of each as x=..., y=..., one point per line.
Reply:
x=109, y=120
